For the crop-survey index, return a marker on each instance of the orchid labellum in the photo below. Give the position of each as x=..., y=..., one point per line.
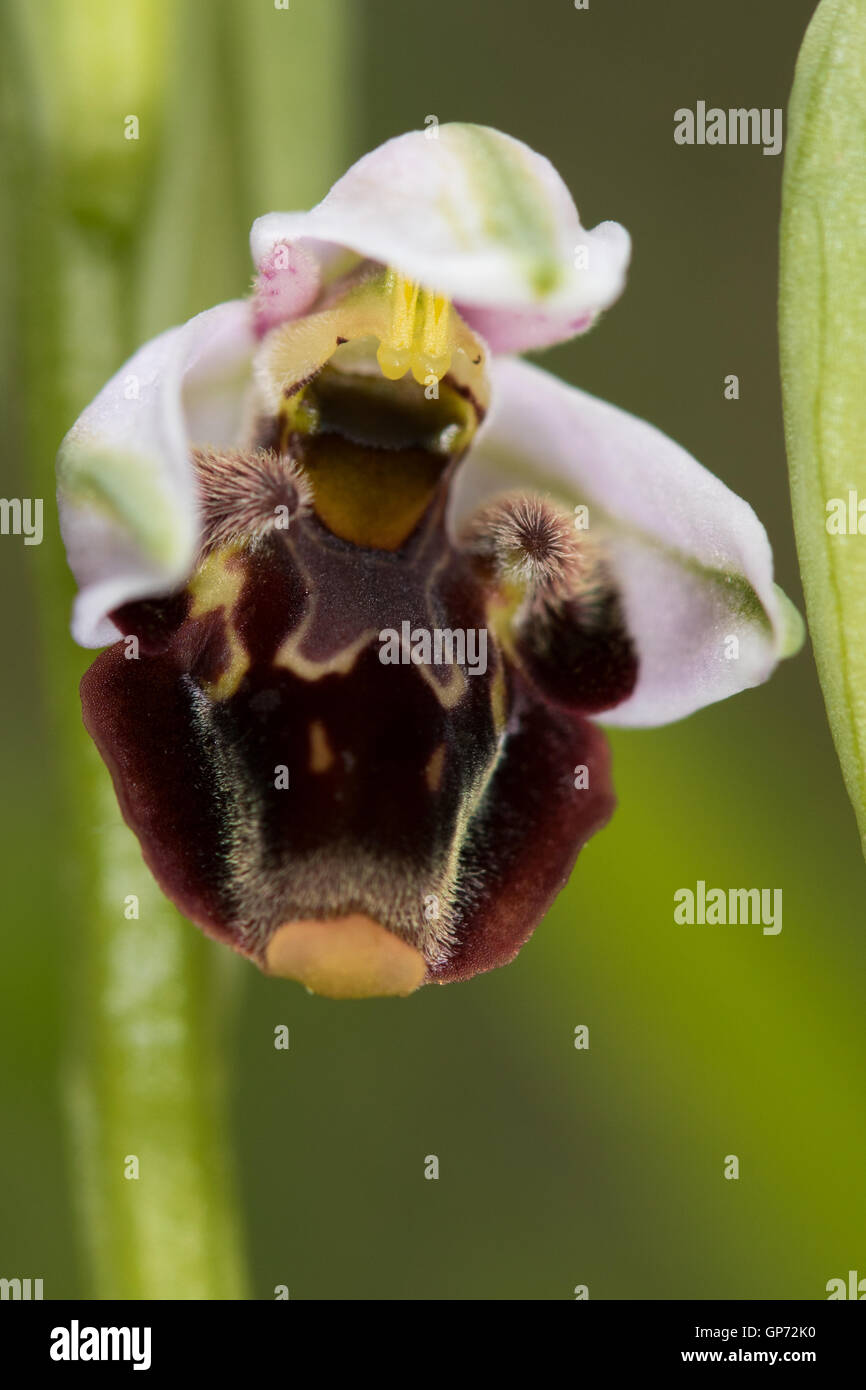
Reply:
x=261, y=494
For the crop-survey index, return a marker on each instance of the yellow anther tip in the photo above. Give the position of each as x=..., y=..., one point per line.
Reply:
x=424, y=367
x=393, y=362
x=419, y=337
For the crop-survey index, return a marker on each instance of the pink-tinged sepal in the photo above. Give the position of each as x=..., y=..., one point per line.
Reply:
x=286, y=286
x=516, y=330
x=126, y=482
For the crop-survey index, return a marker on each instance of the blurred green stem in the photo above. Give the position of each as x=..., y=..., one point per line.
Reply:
x=822, y=309
x=109, y=247
x=146, y=1079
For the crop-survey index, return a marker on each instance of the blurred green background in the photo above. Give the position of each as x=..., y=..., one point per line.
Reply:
x=558, y=1167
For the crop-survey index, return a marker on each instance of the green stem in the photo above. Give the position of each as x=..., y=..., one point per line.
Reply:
x=822, y=322
x=111, y=243
x=147, y=1088
x=145, y=1080
x=144, y=1072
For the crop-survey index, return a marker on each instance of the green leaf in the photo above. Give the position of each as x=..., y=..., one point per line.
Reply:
x=823, y=333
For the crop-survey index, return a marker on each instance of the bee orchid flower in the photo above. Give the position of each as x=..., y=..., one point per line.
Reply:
x=367, y=581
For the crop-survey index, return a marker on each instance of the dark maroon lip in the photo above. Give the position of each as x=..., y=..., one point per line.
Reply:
x=278, y=766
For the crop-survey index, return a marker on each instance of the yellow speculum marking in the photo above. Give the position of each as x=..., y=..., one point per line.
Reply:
x=291, y=658
x=374, y=496
x=499, y=699
x=435, y=766
x=419, y=336
x=502, y=610
x=218, y=583
x=321, y=752
x=377, y=504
